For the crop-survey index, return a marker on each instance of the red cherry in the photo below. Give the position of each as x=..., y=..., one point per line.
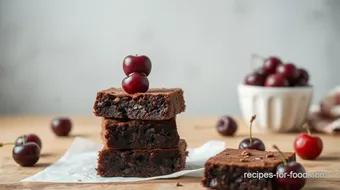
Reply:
x=254, y=79
x=288, y=70
x=137, y=63
x=270, y=64
x=276, y=80
x=308, y=147
x=226, y=126
x=302, y=79
x=135, y=82
x=252, y=143
x=28, y=138
x=290, y=175
x=303, y=74
x=27, y=154
x=61, y=126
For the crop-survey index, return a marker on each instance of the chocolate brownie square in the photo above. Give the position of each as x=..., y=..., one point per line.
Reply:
x=155, y=104
x=139, y=134
x=242, y=169
x=141, y=163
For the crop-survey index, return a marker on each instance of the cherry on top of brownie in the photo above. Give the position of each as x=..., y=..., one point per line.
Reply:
x=249, y=158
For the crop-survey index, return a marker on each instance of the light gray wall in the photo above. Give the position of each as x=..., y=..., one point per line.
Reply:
x=55, y=55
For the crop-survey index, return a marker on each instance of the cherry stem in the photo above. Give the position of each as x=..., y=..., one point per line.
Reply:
x=24, y=139
x=306, y=126
x=281, y=155
x=253, y=59
x=4, y=144
x=250, y=131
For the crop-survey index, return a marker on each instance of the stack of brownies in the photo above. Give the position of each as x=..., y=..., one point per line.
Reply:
x=140, y=132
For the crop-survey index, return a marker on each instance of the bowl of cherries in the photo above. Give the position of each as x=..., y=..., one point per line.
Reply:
x=278, y=93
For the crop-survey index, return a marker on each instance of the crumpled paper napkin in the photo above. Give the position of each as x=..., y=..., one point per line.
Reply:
x=325, y=117
x=79, y=162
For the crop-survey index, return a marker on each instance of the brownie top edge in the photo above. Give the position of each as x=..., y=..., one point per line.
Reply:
x=249, y=158
x=151, y=91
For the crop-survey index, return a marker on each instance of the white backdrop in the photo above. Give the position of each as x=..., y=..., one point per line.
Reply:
x=55, y=55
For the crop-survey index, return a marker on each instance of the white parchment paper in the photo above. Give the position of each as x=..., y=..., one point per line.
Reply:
x=79, y=163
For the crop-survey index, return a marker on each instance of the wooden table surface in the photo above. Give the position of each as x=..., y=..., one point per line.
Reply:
x=196, y=130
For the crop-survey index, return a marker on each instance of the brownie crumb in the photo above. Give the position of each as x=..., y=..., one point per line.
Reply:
x=246, y=153
x=269, y=155
x=243, y=160
x=116, y=100
x=178, y=184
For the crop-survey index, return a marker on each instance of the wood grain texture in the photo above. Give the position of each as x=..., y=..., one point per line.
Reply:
x=196, y=130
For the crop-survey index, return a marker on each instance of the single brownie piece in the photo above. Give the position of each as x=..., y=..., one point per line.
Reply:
x=141, y=163
x=139, y=134
x=243, y=169
x=155, y=104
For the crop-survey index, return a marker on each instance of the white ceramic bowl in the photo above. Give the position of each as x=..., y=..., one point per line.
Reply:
x=277, y=109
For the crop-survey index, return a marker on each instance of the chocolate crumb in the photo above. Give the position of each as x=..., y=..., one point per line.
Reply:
x=269, y=155
x=245, y=153
x=116, y=100
x=178, y=184
x=243, y=160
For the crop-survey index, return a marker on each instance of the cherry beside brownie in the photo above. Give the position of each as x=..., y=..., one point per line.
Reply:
x=240, y=169
x=141, y=162
x=139, y=134
x=155, y=104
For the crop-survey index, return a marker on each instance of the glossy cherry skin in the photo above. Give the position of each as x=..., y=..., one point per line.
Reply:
x=61, y=126
x=27, y=154
x=288, y=70
x=262, y=72
x=302, y=79
x=226, y=126
x=135, y=83
x=303, y=74
x=270, y=64
x=28, y=138
x=256, y=144
x=137, y=64
x=291, y=177
x=254, y=79
x=308, y=147
x=276, y=80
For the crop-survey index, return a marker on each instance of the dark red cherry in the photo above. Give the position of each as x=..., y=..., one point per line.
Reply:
x=135, y=83
x=61, y=126
x=262, y=72
x=226, y=126
x=27, y=154
x=252, y=143
x=28, y=138
x=303, y=74
x=270, y=64
x=254, y=79
x=288, y=70
x=302, y=79
x=276, y=80
x=137, y=64
x=290, y=175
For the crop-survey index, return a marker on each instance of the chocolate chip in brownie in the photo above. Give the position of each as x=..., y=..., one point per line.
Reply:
x=269, y=155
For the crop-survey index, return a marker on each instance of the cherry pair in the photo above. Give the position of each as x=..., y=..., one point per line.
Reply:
x=137, y=69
